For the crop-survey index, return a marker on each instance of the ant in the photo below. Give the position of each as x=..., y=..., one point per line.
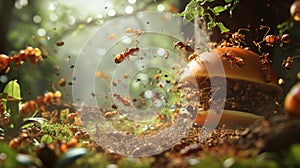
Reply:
x=239, y=62
x=124, y=101
x=121, y=57
x=238, y=38
x=185, y=46
x=137, y=32
x=271, y=39
x=265, y=67
x=193, y=56
x=110, y=114
x=30, y=53
x=265, y=59
x=188, y=48
x=287, y=63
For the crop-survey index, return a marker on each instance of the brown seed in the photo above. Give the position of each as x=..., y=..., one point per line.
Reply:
x=60, y=43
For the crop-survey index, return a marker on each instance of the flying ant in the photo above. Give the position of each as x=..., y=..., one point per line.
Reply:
x=287, y=63
x=30, y=53
x=271, y=39
x=110, y=114
x=188, y=48
x=265, y=67
x=137, y=32
x=100, y=74
x=265, y=59
x=60, y=43
x=238, y=38
x=121, y=57
x=239, y=62
x=183, y=46
x=124, y=101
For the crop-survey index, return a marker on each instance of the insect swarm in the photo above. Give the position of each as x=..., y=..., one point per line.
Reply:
x=246, y=87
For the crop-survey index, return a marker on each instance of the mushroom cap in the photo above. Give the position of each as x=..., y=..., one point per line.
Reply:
x=252, y=69
x=215, y=63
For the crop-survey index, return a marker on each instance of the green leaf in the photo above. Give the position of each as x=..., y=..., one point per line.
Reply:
x=12, y=89
x=64, y=114
x=46, y=139
x=211, y=23
x=200, y=11
x=218, y=9
x=285, y=26
x=190, y=11
x=222, y=27
x=228, y=1
x=209, y=0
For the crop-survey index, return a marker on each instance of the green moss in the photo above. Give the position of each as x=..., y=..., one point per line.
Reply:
x=57, y=131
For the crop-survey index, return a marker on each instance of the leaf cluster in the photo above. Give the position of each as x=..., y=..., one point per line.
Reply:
x=203, y=8
x=11, y=100
x=285, y=26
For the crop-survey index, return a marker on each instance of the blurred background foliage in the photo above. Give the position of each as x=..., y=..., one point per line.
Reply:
x=42, y=23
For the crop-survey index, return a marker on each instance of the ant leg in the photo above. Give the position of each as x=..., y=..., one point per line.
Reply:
x=242, y=29
x=262, y=27
x=258, y=45
x=137, y=43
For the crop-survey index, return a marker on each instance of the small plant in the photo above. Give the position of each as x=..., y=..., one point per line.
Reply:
x=198, y=8
x=12, y=117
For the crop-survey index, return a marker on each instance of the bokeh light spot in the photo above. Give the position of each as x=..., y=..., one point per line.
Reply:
x=41, y=32
x=37, y=19
x=160, y=7
x=111, y=12
x=128, y=9
x=132, y=1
